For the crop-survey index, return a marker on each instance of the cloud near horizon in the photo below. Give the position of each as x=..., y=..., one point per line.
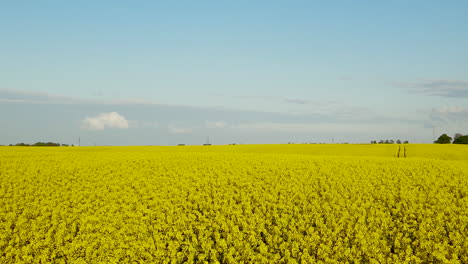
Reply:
x=178, y=129
x=447, y=115
x=31, y=97
x=216, y=124
x=105, y=120
x=170, y=124
x=440, y=88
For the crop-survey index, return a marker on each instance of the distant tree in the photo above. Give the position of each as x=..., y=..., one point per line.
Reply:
x=406, y=142
x=398, y=141
x=39, y=144
x=48, y=144
x=457, y=135
x=461, y=140
x=391, y=141
x=381, y=141
x=443, y=139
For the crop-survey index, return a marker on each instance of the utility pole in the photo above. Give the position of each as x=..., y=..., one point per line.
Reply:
x=79, y=142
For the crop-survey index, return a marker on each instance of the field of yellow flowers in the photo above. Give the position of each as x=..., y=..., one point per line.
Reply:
x=234, y=204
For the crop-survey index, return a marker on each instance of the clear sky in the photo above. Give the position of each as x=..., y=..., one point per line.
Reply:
x=162, y=73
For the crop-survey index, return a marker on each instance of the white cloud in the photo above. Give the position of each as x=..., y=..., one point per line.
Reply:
x=105, y=120
x=216, y=124
x=175, y=129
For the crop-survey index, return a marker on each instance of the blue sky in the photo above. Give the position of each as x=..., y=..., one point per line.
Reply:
x=153, y=72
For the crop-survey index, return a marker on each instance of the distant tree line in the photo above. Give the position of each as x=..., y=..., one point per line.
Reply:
x=457, y=139
x=391, y=141
x=40, y=144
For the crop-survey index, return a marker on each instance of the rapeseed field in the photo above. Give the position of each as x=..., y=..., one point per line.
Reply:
x=234, y=204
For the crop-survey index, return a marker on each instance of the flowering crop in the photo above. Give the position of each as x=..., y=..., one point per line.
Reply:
x=234, y=204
